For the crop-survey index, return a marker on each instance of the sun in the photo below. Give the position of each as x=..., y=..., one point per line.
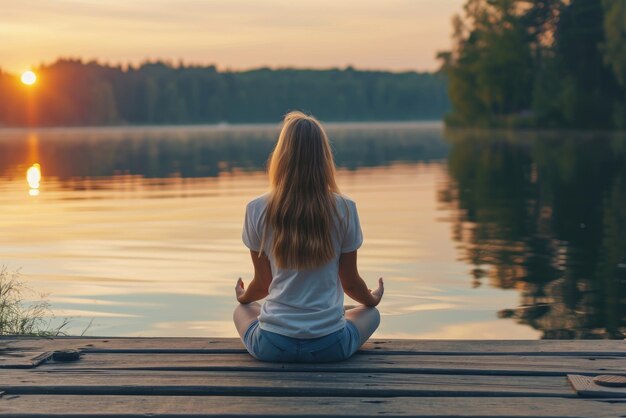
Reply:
x=29, y=78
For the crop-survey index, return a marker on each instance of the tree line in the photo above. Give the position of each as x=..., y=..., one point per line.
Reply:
x=72, y=92
x=538, y=63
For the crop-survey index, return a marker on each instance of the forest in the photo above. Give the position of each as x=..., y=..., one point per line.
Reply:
x=538, y=63
x=70, y=92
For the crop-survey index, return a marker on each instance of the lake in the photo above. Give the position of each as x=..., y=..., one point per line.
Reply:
x=479, y=235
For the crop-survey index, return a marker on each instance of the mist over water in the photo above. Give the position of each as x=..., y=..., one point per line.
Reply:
x=478, y=234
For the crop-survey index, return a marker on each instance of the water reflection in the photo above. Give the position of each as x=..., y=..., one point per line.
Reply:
x=544, y=214
x=33, y=178
x=203, y=151
x=140, y=228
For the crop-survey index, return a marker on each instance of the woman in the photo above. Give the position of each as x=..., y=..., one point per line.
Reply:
x=303, y=237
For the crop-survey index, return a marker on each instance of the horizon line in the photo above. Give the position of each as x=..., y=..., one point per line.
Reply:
x=180, y=63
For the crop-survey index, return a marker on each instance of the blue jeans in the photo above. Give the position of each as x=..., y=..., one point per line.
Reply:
x=269, y=346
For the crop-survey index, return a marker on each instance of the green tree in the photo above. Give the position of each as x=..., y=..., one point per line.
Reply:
x=614, y=49
x=490, y=68
x=543, y=63
x=73, y=92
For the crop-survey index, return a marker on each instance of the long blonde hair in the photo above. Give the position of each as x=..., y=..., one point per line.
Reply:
x=301, y=206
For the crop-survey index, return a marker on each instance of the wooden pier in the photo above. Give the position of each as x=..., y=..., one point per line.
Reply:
x=393, y=378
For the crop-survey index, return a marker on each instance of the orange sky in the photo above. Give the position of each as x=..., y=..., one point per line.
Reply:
x=237, y=34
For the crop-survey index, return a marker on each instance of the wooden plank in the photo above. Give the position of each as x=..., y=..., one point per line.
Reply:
x=499, y=347
x=137, y=382
x=13, y=406
x=586, y=387
x=21, y=359
x=488, y=365
x=121, y=343
x=426, y=347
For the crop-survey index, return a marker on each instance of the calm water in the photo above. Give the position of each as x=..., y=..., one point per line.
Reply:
x=478, y=235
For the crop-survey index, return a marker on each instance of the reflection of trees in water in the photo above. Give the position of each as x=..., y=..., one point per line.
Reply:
x=545, y=214
x=205, y=152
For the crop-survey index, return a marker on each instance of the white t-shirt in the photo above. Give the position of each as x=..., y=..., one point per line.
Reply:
x=305, y=303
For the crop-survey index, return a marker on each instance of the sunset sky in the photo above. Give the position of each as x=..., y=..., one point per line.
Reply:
x=236, y=34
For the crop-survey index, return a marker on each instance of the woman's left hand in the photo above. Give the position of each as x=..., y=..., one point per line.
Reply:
x=239, y=289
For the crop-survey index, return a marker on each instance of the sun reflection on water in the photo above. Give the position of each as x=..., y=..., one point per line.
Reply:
x=33, y=177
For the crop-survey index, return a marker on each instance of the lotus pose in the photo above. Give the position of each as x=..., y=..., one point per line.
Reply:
x=303, y=237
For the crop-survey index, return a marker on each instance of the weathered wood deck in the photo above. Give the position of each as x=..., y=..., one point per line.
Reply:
x=199, y=377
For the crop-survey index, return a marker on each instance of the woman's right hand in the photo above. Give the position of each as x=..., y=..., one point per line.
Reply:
x=239, y=290
x=378, y=293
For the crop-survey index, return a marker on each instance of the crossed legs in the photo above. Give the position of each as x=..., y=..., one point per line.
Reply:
x=365, y=319
x=244, y=315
